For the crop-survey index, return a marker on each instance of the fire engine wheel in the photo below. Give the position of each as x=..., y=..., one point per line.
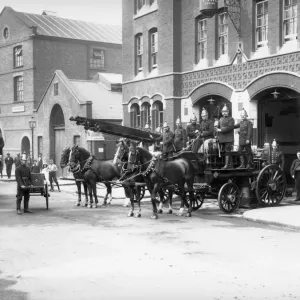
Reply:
x=229, y=197
x=198, y=200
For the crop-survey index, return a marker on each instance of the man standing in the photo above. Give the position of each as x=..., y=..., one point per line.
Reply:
x=1, y=166
x=167, y=139
x=192, y=131
x=1, y=144
x=180, y=136
x=23, y=178
x=277, y=157
x=8, y=162
x=246, y=130
x=52, y=168
x=295, y=173
x=225, y=134
x=40, y=162
x=17, y=160
x=206, y=127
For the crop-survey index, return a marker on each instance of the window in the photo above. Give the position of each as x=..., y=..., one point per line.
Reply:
x=290, y=20
x=18, y=57
x=152, y=2
x=55, y=89
x=77, y=140
x=139, y=52
x=139, y=4
x=261, y=23
x=5, y=33
x=18, y=88
x=135, y=118
x=145, y=114
x=223, y=34
x=153, y=48
x=157, y=114
x=40, y=144
x=97, y=59
x=201, y=40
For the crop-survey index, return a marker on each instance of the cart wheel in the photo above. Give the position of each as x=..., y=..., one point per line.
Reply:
x=198, y=200
x=229, y=197
x=271, y=185
x=143, y=189
x=166, y=196
x=47, y=195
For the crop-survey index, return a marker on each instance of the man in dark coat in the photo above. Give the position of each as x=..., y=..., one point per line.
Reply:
x=225, y=134
x=1, y=144
x=167, y=139
x=295, y=173
x=193, y=131
x=40, y=162
x=8, y=162
x=23, y=178
x=180, y=136
x=277, y=156
x=206, y=127
x=246, y=131
x=17, y=160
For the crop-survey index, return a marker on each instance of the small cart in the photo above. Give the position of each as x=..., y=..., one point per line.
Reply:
x=40, y=187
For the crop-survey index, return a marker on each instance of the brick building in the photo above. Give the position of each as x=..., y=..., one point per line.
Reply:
x=176, y=61
x=32, y=48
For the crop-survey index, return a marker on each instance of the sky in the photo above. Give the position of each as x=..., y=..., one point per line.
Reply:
x=97, y=11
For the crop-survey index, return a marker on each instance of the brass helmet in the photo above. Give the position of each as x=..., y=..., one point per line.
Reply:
x=204, y=112
x=23, y=157
x=147, y=126
x=178, y=122
x=165, y=124
x=194, y=118
x=243, y=111
x=225, y=108
x=274, y=144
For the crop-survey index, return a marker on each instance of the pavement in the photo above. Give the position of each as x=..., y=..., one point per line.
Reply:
x=285, y=215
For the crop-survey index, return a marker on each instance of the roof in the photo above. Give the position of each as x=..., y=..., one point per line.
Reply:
x=49, y=25
x=112, y=81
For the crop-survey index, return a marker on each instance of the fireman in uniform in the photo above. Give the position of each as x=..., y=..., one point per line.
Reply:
x=180, y=136
x=192, y=131
x=167, y=139
x=23, y=178
x=225, y=134
x=133, y=156
x=246, y=131
x=206, y=127
x=277, y=157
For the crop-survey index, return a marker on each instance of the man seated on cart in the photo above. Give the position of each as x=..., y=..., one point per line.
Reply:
x=192, y=131
x=246, y=131
x=180, y=136
x=167, y=139
x=206, y=131
x=277, y=156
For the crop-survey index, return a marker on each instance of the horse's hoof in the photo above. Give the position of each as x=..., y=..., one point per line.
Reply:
x=179, y=214
x=89, y=206
x=170, y=211
x=188, y=215
x=95, y=206
x=130, y=214
x=125, y=205
x=154, y=217
x=85, y=205
x=104, y=204
x=138, y=215
x=78, y=204
x=108, y=203
x=160, y=211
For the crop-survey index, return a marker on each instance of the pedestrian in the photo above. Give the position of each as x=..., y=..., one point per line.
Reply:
x=17, y=160
x=8, y=162
x=23, y=178
x=1, y=166
x=295, y=173
x=52, y=169
x=1, y=143
x=167, y=139
x=35, y=168
x=40, y=162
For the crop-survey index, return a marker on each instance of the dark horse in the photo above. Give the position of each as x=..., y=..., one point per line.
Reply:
x=93, y=170
x=64, y=162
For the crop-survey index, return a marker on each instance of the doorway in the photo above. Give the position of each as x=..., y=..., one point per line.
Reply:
x=25, y=145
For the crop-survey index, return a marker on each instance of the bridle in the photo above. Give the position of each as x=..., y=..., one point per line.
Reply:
x=76, y=168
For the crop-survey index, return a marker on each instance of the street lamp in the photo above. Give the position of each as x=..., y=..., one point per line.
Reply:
x=32, y=124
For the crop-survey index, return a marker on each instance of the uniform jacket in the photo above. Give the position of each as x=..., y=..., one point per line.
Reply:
x=168, y=141
x=21, y=172
x=207, y=129
x=227, y=126
x=180, y=138
x=246, y=131
x=9, y=161
x=295, y=167
x=190, y=131
x=277, y=158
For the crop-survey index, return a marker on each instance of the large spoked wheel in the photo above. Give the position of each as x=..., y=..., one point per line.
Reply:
x=229, y=197
x=165, y=196
x=47, y=195
x=143, y=189
x=198, y=200
x=271, y=186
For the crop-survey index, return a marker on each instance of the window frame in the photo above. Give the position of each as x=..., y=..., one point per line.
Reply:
x=40, y=144
x=135, y=110
x=153, y=48
x=261, y=28
x=139, y=52
x=201, y=41
x=97, y=63
x=55, y=89
x=18, y=92
x=18, y=58
x=139, y=4
x=291, y=36
x=5, y=33
x=223, y=34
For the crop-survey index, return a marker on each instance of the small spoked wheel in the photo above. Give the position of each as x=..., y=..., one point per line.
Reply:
x=198, y=200
x=165, y=196
x=229, y=197
x=142, y=193
x=271, y=186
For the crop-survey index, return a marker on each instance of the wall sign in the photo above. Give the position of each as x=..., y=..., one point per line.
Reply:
x=18, y=109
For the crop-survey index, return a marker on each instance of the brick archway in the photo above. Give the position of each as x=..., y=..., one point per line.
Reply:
x=273, y=80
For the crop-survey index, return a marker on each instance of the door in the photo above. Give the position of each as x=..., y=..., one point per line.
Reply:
x=59, y=144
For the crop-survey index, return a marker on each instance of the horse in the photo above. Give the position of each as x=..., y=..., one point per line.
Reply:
x=64, y=161
x=142, y=174
x=93, y=170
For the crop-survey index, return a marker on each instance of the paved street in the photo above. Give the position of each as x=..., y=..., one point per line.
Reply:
x=78, y=253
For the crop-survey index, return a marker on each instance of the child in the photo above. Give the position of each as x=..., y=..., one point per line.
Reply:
x=52, y=168
x=46, y=173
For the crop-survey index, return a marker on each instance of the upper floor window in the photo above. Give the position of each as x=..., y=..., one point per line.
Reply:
x=18, y=56
x=157, y=114
x=18, y=88
x=139, y=5
x=98, y=59
x=152, y=2
x=55, y=88
x=139, y=52
x=290, y=20
x=145, y=114
x=261, y=23
x=135, y=117
x=223, y=34
x=153, y=48
x=201, y=39
x=5, y=33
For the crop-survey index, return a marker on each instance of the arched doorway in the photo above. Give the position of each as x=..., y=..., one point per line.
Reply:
x=25, y=145
x=57, y=135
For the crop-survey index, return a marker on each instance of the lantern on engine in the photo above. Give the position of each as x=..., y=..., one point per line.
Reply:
x=208, y=8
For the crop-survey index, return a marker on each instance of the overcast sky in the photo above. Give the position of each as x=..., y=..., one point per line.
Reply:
x=98, y=11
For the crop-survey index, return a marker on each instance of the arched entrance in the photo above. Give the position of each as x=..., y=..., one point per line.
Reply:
x=57, y=135
x=25, y=145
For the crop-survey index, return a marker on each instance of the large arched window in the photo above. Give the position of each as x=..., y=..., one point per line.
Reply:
x=145, y=114
x=157, y=114
x=135, y=118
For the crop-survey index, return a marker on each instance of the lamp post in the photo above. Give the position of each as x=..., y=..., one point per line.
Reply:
x=32, y=124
